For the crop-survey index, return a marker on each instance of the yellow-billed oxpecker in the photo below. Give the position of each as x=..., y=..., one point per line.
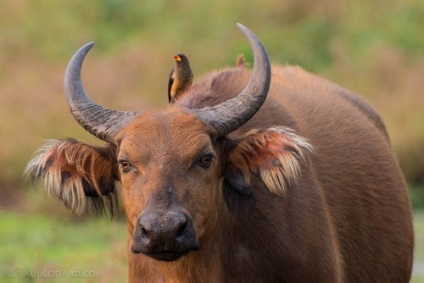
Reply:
x=180, y=78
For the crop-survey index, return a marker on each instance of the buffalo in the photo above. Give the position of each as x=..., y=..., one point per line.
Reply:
x=269, y=175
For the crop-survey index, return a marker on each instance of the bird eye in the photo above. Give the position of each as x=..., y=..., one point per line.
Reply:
x=125, y=165
x=205, y=161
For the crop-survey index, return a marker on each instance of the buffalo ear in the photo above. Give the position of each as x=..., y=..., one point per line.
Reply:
x=80, y=175
x=275, y=156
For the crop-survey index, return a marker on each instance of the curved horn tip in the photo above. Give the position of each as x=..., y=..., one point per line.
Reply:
x=242, y=27
x=246, y=30
x=81, y=53
x=102, y=122
x=233, y=113
x=88, y=45
x=259, y=53
x=84, y=49
x=77, y=59
x=253, y=40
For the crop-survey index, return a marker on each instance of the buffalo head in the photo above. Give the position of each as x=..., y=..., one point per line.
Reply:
x=177, y=167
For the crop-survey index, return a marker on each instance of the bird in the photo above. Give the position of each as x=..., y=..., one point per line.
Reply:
x=241, y=61
x=180, y=78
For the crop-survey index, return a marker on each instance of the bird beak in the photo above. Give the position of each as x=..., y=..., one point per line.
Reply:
x=177, y=58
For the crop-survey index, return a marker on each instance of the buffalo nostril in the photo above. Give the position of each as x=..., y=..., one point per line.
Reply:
x=181, y=230
x=144, y=227
x=180, y=225
x=144, y=232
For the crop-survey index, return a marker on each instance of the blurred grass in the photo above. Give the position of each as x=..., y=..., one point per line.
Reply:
x=33, y=245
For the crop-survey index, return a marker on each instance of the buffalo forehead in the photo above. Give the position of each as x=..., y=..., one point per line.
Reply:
x=177, y=132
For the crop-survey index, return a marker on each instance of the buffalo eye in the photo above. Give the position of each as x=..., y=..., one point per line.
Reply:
x=205, y=161
x=125, y=165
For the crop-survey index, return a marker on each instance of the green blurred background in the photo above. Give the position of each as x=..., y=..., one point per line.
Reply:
x=375, y=48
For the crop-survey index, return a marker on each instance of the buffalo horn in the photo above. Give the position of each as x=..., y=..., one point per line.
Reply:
x=233, y=113
x=102, y=122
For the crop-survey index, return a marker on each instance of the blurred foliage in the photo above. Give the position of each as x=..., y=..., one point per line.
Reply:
x=416, y=194
x=418, y=270
x=375, y=48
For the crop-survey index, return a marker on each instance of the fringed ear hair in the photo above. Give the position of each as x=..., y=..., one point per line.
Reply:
x=275, y=154
x=80, y=175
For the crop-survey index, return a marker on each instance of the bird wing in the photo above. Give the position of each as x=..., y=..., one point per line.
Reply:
x=170, y=82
